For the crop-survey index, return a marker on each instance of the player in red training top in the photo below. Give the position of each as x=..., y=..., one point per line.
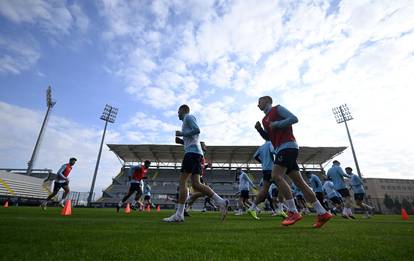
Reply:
x=277, y=127
x=61, y=181
x=135, y=175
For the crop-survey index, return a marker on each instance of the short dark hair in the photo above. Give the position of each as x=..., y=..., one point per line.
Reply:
x=336, y=162
x=73, y=159
x=268, y=98
x=185, y=108
x=147, y=162
x=348, y=168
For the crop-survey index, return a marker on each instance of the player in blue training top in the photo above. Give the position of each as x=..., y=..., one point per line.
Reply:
x=337, y=175
x=333, y=196
x=357, y=187
x=192, y=166
x=316, y=185
x=265, y=156
x=245, y=183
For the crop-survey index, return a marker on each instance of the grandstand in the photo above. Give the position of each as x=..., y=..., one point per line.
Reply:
x=18, y=187
x=166, y=163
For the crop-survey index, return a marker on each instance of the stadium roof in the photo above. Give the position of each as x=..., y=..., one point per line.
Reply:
x=215, y=154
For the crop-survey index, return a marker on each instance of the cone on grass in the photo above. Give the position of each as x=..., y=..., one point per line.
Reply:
x=128, y=209
x=6, y=204
x=67, y=209
x=148, y=208
x=158, y=208
x=404, y=214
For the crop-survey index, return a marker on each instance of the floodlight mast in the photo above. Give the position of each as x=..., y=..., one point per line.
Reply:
x=108, y=115
x=342, y=115
x=49, y=103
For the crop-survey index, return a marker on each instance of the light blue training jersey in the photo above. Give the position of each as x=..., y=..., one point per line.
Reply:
x=244, y=182
x=329, y=189
x=191, y=131
x=266, y=156
x=337, y=176
x=316, y=183
x=357, y=185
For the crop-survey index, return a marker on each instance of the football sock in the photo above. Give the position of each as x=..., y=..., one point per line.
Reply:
x=219, y=200
x=180, y=210
x=280, y=206
x=319, y=208
x=290, y=203
x=253, y=206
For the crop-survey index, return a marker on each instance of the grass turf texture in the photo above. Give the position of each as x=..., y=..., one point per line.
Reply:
x=102, y=234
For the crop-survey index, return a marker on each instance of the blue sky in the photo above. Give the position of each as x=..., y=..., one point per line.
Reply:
x=148, y=57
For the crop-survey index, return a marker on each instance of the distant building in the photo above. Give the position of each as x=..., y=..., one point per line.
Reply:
x=377, y=188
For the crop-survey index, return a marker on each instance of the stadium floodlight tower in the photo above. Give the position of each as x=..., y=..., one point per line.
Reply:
x=342, y=115
x=108, y=115
x=49, y=103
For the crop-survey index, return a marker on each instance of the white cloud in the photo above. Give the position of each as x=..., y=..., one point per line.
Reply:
x=17, y=56
x=220, y=56
x=62, y=139
x=81, y=19
x=53, y=17
x=21, y=52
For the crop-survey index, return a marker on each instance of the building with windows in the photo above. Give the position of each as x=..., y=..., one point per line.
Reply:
x=377, y=188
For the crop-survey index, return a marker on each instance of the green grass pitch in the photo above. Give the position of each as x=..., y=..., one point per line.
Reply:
x=102, y=234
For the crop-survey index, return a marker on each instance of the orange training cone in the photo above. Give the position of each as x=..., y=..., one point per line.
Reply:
x=404, y=214
x=128, y=208
x=67, y=210
x=148, y=208
x=158, y=208
x=6, y=204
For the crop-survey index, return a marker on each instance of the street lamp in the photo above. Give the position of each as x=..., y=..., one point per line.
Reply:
x=49, y=103
x=108, y=115
x=342, y=115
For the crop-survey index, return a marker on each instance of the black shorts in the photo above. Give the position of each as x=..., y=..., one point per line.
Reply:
x=135, y=187
x=147, y=197
x=192, y=163
x=58, y=186
x=336, y=200
x=344, y=192
x=244, y=194
x=267, y=175
x=320, y=196
x=287, y=158
x=275, y=192
x=359, y=196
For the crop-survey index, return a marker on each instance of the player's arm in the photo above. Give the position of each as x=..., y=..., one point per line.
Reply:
x=288, y=118
x=178, y=140
x=342, y=173
x=261, y=131
x=193, y=127
x=256, y=156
